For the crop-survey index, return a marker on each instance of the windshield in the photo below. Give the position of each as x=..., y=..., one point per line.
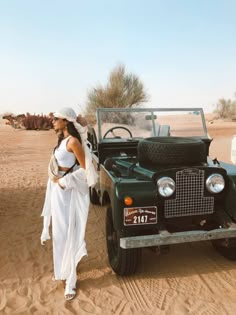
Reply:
x=150, y=122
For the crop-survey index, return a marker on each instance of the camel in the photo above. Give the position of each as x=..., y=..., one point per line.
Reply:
x=11, y=119
x=29, y=122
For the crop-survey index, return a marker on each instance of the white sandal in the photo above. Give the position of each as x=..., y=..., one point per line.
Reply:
x=70, y=292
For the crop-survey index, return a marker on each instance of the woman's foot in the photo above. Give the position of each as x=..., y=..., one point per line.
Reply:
x=70, y=293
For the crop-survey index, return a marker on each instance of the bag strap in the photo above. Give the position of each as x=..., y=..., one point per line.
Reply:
x=70, y=169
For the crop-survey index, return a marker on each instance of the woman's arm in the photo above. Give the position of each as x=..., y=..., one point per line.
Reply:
x=75, y=146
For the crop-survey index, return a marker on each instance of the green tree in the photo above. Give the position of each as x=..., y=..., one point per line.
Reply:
x=122, y=90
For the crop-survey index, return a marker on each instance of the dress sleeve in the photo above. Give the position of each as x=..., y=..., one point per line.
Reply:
x=76, y=180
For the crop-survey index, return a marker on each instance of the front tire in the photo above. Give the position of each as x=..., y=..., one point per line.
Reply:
x=226, y=247
x=122, y=261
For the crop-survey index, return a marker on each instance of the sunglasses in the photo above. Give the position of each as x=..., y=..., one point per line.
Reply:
x=56, y=118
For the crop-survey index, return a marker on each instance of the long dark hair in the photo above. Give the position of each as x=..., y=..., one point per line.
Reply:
x=71, y=130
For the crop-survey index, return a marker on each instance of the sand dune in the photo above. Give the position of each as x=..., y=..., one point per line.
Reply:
x=190, y=279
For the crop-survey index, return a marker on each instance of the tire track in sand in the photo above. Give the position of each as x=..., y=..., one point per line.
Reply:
x=130, y=285
x=132, y=288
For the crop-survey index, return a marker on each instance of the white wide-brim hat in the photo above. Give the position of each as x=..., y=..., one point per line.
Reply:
x=66, y=113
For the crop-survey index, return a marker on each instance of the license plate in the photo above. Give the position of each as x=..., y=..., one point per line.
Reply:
x=140, y=215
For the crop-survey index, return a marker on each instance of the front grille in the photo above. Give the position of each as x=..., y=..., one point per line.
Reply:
x=190, y=198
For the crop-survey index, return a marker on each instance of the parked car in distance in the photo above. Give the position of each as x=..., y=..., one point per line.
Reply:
x=158, y=183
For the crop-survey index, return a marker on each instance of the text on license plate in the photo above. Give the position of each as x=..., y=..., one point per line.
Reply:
x=140, y=215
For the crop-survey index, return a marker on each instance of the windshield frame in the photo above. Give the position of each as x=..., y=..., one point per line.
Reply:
x=152, y=111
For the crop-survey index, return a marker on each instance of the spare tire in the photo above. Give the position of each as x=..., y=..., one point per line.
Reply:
x=171, y=151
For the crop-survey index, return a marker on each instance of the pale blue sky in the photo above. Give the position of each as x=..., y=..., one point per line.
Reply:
x=52, y=52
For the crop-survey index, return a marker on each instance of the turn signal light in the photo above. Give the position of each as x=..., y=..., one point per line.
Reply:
x=128, y=201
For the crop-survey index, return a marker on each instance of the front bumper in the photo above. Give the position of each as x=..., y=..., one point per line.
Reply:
x=166, y=238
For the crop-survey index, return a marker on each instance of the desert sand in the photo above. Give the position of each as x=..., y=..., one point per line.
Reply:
x=191, y=279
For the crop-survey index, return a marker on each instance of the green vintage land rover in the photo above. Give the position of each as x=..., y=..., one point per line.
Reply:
x=158, y=183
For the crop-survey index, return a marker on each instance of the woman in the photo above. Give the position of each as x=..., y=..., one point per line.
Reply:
x=67, y=198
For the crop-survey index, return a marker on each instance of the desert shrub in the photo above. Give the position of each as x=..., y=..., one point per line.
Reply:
x=123, y=90
x=37, y=122
x=118, y=118
x=226, y=109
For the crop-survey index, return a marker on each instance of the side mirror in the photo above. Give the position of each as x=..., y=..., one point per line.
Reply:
x=150, y=117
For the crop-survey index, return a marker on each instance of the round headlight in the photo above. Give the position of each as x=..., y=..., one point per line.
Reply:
x=166, y=186
x=215, y=183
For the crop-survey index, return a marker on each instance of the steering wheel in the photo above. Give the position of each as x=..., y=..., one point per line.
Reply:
x=117, y=127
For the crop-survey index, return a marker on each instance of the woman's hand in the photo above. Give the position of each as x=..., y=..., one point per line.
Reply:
x=56, y=179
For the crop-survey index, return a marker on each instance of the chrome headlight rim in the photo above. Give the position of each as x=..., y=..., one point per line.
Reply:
x=165, y=186
x=215, y=188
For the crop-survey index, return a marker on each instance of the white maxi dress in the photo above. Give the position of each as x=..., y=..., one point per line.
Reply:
x=68, y=209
